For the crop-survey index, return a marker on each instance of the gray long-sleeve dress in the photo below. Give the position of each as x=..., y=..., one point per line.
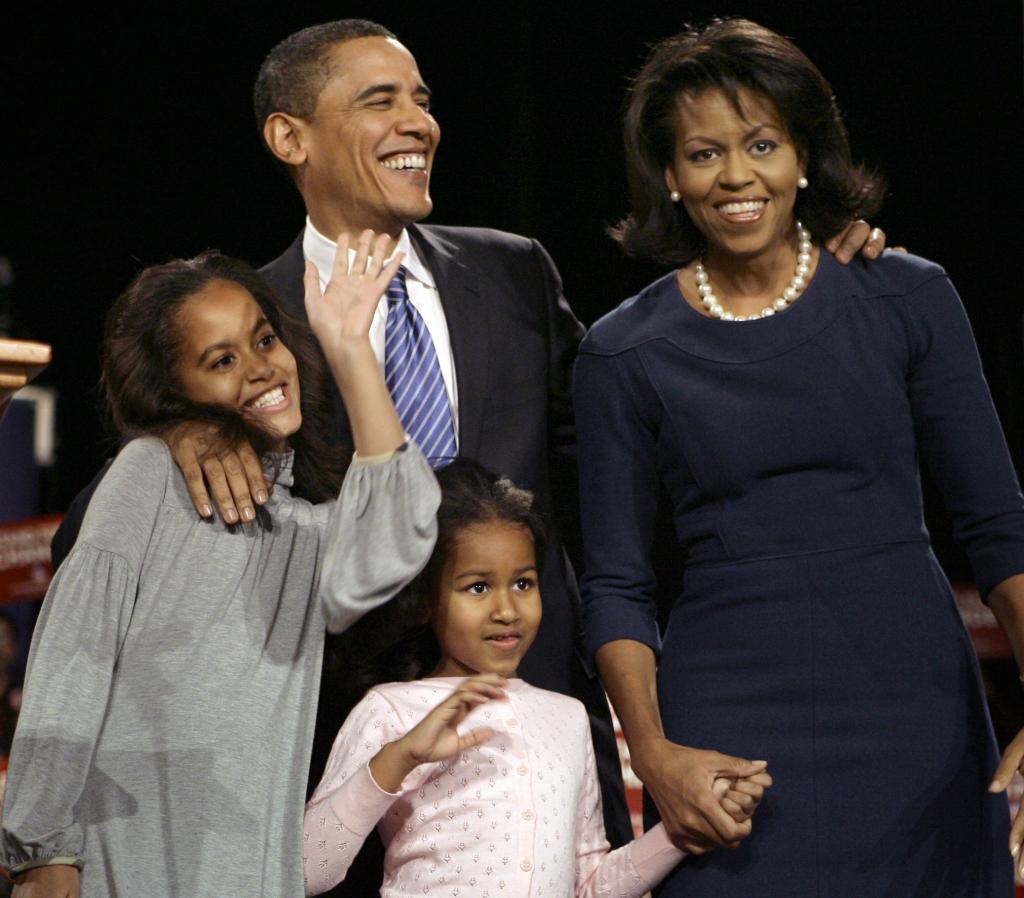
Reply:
x=172, y=683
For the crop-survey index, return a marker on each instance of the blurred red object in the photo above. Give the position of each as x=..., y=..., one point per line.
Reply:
x=25, y=569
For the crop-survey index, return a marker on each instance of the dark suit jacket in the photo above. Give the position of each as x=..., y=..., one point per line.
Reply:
x=514, y=341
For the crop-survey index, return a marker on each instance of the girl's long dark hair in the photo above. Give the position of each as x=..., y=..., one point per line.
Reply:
x=396, y=641
x=142, y=343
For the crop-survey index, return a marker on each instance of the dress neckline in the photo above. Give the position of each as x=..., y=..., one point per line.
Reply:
x=729, y=342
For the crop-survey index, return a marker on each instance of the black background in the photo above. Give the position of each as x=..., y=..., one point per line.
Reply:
x=129, y=139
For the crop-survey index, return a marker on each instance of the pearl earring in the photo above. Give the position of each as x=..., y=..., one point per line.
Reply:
x=801, y=182
x=674, y=196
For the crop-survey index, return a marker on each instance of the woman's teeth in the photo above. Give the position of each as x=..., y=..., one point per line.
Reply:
x=741, y=208
x=271, y=397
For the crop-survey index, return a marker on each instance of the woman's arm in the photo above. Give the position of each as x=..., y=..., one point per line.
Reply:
x=962, y=443
x=681, y=780
x=1007, y=603
x=618, y=489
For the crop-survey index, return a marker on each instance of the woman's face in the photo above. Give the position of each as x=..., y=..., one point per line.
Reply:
x=231, y=356
x=736, y=174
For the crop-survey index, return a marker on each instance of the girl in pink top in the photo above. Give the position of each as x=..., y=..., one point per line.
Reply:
x=480, y=784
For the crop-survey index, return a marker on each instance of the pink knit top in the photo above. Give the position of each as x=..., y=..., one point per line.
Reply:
x=518, y=816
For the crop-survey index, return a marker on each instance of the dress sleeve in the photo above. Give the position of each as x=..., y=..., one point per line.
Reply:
x=81, y=628
x=627, y=872
x=379, y=536
x=618, y=502
x=960, y=436
x=347, y=804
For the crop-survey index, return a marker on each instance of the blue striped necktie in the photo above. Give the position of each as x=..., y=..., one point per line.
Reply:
x=413, y=375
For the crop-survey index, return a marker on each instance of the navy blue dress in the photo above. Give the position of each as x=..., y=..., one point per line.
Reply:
x=814, y=627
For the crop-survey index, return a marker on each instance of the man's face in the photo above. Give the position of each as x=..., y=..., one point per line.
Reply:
x=370, y=143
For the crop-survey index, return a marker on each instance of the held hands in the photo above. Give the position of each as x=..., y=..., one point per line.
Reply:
x=1012, y=762
x=55, y=881
x=345, y=309
x=705, y=798
x=436, y=737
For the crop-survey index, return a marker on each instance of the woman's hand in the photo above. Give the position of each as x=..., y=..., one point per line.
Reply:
x=741, y=797
x=682, y=783
x=346, y=308
x=1011, y=763
x=436, y=737
x=54, y=881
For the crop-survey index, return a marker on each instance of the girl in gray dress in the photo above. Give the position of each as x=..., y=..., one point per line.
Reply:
x=171, y=691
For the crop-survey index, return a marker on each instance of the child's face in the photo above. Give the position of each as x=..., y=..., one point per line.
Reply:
x=231, y=356
x=488, y=607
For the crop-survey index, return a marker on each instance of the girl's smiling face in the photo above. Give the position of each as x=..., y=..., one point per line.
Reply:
x=231, y=356
x=488, y=601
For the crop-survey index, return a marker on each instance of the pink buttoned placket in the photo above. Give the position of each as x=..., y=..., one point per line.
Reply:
x=519, y=815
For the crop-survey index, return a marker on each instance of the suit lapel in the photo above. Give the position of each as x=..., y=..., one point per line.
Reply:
x=284, y=275
x=467, y=312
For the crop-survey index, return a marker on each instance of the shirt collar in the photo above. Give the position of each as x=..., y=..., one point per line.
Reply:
x=320, y=250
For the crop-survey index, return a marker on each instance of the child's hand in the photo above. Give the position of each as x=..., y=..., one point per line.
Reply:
x=739, y=798
x=346, y=307
x=436, y=737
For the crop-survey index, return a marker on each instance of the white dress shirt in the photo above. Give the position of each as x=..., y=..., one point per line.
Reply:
x=423, y=294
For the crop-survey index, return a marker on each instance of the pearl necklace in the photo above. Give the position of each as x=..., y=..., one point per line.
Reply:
x=799, y=281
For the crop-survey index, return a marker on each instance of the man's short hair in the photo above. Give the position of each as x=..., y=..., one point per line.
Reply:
x=297, y=69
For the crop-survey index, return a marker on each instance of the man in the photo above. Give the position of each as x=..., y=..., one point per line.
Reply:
x=343, y=106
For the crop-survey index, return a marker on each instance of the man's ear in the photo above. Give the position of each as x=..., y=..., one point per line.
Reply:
x=284, y=135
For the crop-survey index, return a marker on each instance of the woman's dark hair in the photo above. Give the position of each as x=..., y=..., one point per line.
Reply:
x=397, y=639
x=141, y=345
x=732, y=56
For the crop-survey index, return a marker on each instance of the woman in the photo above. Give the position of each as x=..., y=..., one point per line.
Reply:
x=781, y=400
x=172, y=684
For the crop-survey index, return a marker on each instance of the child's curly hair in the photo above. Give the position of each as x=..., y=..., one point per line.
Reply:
x=396, y=641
